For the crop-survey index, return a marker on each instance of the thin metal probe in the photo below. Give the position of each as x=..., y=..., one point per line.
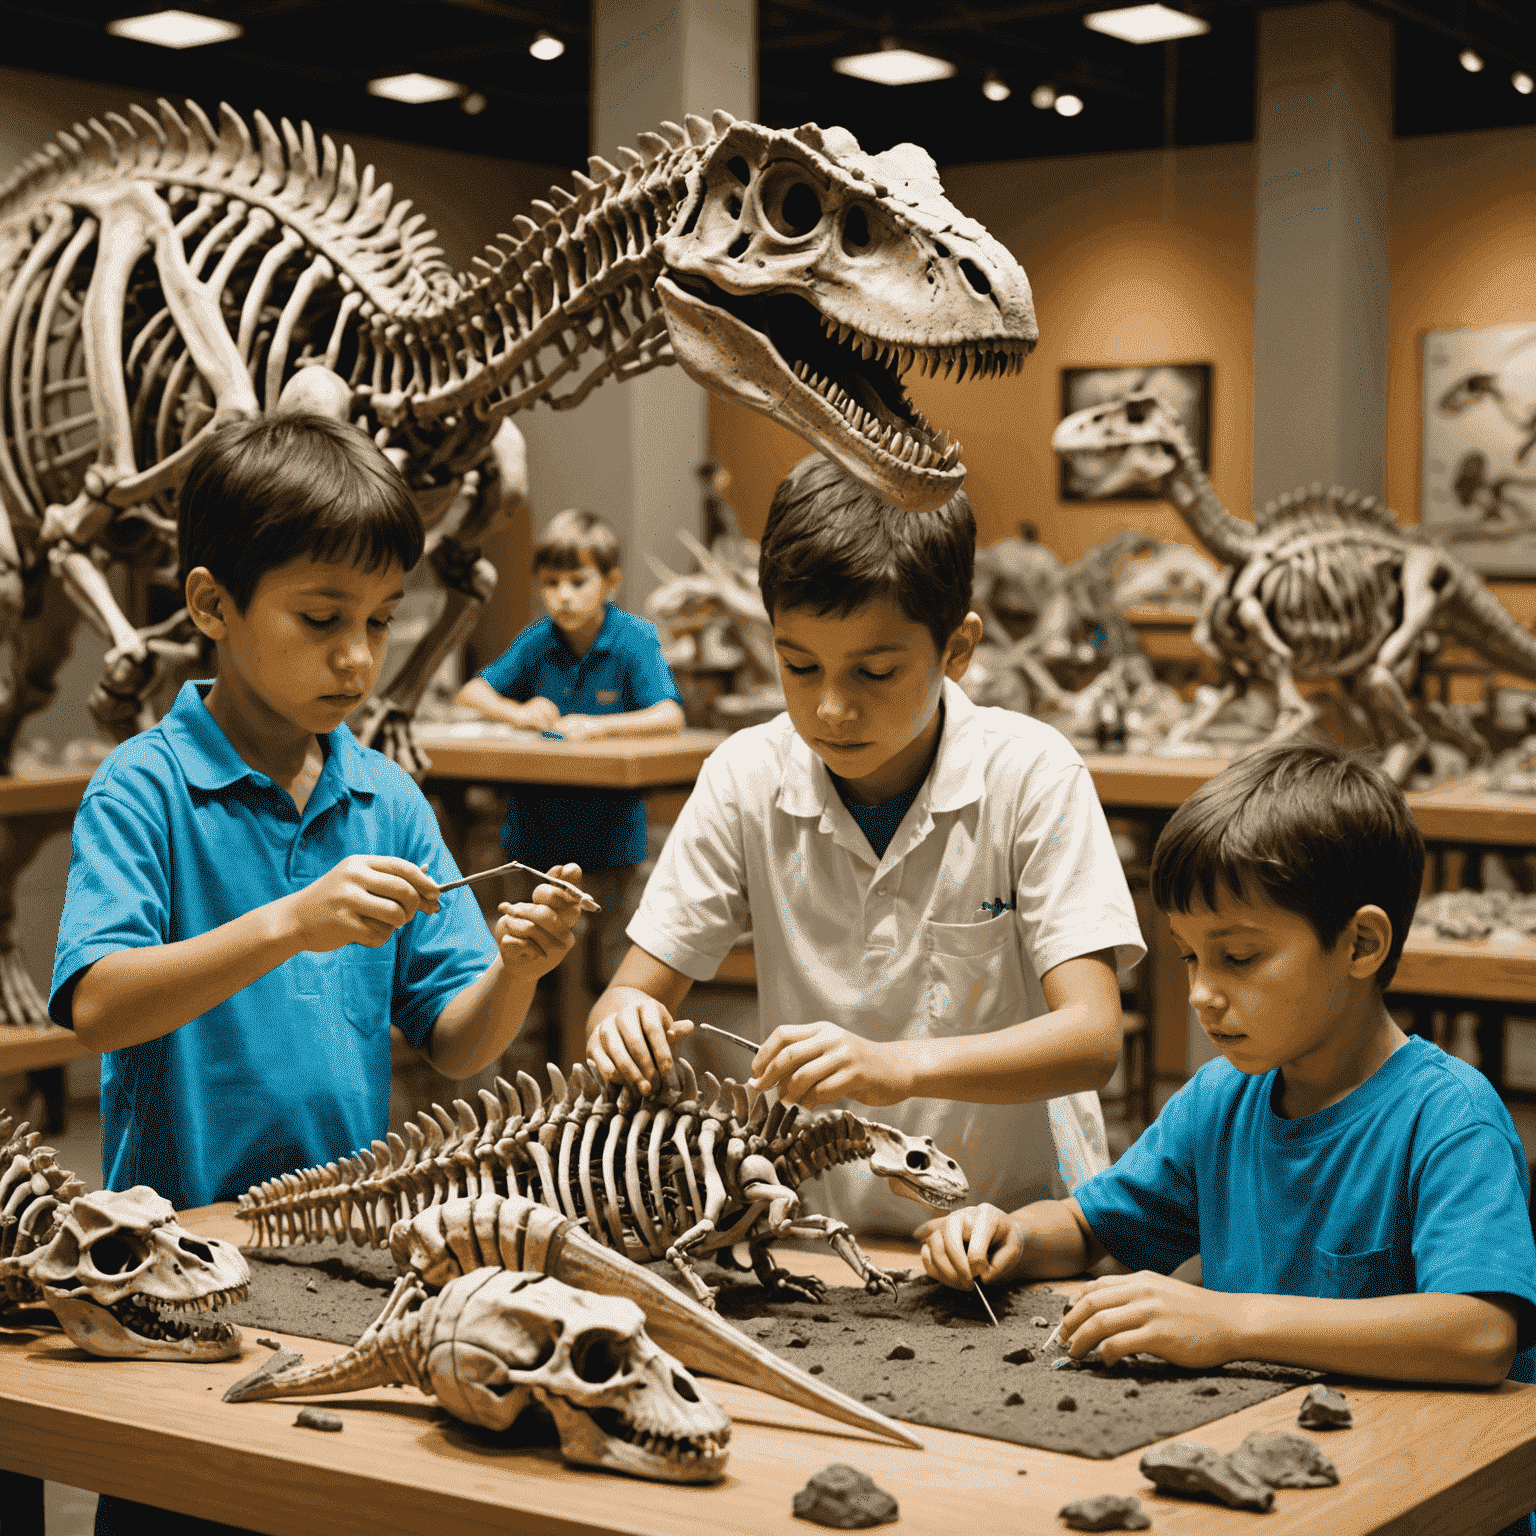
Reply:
x=987, y=1304
x=587, y=904
x=725, y=1034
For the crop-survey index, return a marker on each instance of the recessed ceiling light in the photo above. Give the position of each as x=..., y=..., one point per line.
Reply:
x=1470, y=61
x=1522, y=82
x=546, y=46
x=474, y=104
x=1043, y=96
x=414, y=89
x=995, y=88
x=894, y=66
x=1069, y=106
x=175, y=29
x=1146, y=24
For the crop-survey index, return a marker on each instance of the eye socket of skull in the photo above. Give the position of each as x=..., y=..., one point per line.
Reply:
x=598, y=1356
x=857, y=235
x=792, y=206
x=116, y=1253
x=918, y=1161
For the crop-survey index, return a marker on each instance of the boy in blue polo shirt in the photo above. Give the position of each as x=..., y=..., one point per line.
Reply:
x=588, y=671
x=252, y=896
x=1358, y=1198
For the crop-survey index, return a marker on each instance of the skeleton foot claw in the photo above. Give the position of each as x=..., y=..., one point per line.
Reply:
x=878, y=1281
x=784, y=1285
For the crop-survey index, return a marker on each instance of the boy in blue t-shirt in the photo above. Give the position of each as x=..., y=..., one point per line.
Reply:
x=252, y=896
x=588, y=671
x=1358, y=1198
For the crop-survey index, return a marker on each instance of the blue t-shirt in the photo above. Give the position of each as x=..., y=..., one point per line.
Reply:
x=878, y=822
x=177, y=835
x=1415, y=1182
x=624, y=670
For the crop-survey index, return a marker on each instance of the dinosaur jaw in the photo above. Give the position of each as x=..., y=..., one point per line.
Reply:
x=839, y=389
x=139, y=1328
x=610, y=1438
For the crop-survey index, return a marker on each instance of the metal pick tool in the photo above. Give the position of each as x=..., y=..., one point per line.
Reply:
x=987, y=1304
x=725, y=1034
x=587, y=904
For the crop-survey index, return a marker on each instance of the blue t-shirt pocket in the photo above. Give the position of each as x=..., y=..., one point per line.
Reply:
x=367, y=987
x=1350, y=1276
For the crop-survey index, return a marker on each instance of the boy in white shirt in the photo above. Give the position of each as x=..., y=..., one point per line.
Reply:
x=936, y=908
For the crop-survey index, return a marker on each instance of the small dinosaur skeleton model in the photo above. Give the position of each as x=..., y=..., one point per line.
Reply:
x=1324, y=584
x=676, y=1174
x=116, y=1269
x=160, y=275
x=495, y=1341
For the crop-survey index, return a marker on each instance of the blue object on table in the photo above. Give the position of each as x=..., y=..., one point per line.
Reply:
x=552, y=735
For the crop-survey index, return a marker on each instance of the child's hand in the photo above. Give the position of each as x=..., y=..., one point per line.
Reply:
x=361, y=901
x=535, y=936
x=814, y=1064
x=578, y=727
x=1157, y=1315
x=635, y=1043
x=539, y=714
x=979, y=1242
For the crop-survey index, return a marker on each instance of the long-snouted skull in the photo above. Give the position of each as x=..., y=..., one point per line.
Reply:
x=916, y=1163
x=1129, y=441
x=805, y=277
x=502, y=1339
x=120, y=1268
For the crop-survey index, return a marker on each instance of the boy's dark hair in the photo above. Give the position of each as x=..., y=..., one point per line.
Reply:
x=1307, y=827
x=572, y=534
x=267, y=490
x=830, y=546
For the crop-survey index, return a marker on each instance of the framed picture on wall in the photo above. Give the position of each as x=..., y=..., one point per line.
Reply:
x=1186, y=387
x=1478, y=491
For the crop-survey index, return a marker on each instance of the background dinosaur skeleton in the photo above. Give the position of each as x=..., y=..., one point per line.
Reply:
x=160, y=275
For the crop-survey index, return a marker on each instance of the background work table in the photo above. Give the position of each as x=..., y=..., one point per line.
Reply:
x=1446, y=1462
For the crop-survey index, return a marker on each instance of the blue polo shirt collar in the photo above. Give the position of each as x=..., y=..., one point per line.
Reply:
x=209, y=760
x=605, y=634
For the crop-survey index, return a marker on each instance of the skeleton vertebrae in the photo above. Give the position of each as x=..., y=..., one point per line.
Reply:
x=34, y=1193
x=675, y=1174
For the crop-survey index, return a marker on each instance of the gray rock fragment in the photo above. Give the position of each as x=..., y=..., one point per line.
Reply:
x=1021, y=1356
x=1105, y=1512
x=1285, y=1461
x=1185, y=1467
x=317, y=1418
x=844, y=1498
x=902, y=1352
x=1325, y=1408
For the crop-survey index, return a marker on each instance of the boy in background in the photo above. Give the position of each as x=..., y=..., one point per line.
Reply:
x=587, y=672
x=1358, y=1197
x=935, y=904
x=253, y=897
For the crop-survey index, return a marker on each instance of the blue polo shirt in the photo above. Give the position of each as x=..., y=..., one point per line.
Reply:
x=624, y=670
x=177, y=835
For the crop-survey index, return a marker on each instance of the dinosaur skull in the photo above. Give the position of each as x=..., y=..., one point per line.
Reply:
x=503, y=1339
x=120, y=1264
x=801, y=275
x=918, y=1165
x=1129, y=441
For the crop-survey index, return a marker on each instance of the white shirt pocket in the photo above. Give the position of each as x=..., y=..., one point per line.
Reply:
x=968, y=976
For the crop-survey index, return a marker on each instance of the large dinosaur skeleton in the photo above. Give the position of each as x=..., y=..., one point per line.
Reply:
x=676, y=1174
x=1324, y=584
x=160, y=275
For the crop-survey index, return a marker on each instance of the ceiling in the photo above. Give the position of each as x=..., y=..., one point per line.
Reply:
x=312, y=58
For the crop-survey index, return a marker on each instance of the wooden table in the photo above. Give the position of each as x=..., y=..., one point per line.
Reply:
x=24, y=1049
x=639, y=762
x=1444, y=1462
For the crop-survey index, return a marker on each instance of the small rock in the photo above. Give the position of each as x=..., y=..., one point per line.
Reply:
x=817, y=1369
x=1133, y=1391
x=1185, y=1467
x=1012, y=1400
x=1285, y=1461
x=1067, y=1404
x=965, y=1347
x=1023, y=1471
x=1106, y=1512
x=1325, y=1408
x=317, y=1418
x=1207, y=1391
x=798, y=1343
x=311, y=1286
x=902, y=1352
x=1039, y=1322
x=1021, y=1356
x=845, y=1499
x=820, y=1317
x=270, y=1343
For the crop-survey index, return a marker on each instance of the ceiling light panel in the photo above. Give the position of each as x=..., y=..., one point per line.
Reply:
x=1146, y=24
x=414, y=89
x=894, y=66
x=546, y=46
x=175, y=29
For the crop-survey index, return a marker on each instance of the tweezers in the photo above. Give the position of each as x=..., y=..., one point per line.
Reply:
x=587, y=904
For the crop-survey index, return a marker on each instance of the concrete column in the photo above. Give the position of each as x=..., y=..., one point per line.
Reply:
x=629, y=451
x=1324, y=166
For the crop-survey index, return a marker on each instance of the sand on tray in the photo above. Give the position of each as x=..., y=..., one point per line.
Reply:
x=958, y=1374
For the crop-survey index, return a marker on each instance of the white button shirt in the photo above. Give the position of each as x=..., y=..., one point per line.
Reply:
x=909, y=946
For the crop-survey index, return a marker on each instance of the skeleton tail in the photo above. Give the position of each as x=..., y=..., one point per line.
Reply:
x=1476, y=618
x=396, y=1353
